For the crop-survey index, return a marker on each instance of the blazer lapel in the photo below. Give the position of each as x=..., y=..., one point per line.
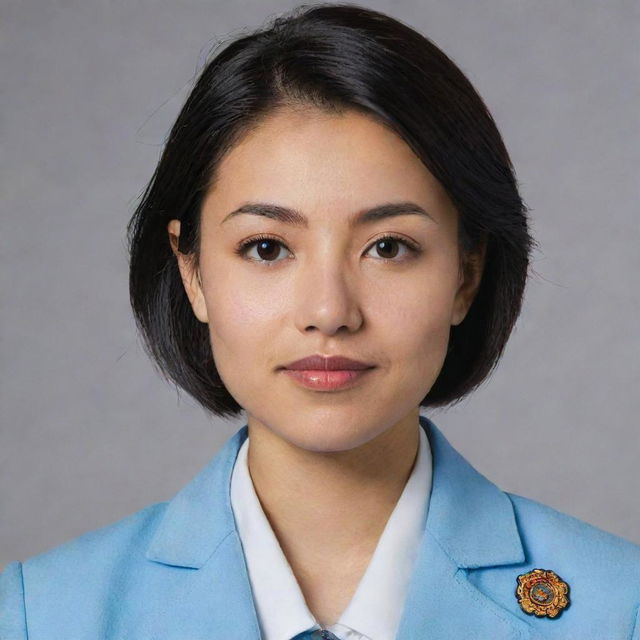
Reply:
x=205, y=586
x=470, y=524
x=209, y=596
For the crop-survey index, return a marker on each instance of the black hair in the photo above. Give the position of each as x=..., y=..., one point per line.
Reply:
x=334, y=57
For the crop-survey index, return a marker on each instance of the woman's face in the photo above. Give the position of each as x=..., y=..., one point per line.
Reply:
x=328, y=285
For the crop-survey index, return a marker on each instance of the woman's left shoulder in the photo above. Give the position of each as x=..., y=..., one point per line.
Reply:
x=575, y=546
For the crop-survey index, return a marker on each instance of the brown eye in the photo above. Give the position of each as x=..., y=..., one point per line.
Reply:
x=387, y=248
x=267, y=249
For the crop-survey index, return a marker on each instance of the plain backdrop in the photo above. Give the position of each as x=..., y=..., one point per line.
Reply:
x=89, y=431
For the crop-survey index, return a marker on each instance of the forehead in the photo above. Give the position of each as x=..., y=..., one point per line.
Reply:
x=313, y=160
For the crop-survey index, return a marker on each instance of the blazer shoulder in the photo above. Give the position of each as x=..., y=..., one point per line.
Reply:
x=543, y=518
x=549, y=533
x=104, y=545
x=70, y=585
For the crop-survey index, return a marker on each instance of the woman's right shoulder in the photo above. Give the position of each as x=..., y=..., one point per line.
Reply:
x=125, y=535
x=87, y=562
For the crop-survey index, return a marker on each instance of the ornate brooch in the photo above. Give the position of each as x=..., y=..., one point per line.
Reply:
x=542, y=592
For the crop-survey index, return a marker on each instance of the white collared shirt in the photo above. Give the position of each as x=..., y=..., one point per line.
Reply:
x=375, y=609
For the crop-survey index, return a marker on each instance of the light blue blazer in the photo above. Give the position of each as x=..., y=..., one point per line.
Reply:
x=176, y=570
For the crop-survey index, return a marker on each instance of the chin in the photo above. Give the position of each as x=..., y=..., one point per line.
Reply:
x=320, y=439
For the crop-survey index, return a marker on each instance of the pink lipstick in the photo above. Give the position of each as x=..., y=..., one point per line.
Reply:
x=327, y=373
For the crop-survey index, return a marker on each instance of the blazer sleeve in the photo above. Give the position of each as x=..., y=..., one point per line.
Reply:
x=13, y=623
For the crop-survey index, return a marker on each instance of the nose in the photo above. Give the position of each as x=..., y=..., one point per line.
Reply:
x=327, y=298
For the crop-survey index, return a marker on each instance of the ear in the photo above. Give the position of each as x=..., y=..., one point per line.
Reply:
x=471, y=269
x=190, y=276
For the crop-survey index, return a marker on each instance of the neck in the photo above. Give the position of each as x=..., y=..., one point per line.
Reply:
x=329, y=509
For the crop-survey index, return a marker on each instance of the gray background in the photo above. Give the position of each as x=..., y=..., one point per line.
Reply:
x=91, y=433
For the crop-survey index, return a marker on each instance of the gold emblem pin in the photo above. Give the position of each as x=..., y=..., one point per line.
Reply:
x=542, y=592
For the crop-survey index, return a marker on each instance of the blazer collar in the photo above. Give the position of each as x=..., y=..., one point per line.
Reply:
x=200, y=516
x=470, y=524
x=469, y=516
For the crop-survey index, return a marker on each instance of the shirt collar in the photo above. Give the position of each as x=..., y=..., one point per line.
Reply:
x=376, y=606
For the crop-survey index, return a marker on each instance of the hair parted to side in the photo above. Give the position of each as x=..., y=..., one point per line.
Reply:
x=334, y=57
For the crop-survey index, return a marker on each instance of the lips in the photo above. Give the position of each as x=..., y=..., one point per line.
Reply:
x=328, y=380
x=328, y=363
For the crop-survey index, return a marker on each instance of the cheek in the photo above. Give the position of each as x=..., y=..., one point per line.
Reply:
x=234, y=344
x=240, y=330
x=415, y=322
x=234, y=319
x=233, y=302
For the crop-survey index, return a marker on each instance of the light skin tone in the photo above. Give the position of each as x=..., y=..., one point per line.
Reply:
x=318, y=457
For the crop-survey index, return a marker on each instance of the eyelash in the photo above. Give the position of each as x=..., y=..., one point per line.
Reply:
x=244, y=246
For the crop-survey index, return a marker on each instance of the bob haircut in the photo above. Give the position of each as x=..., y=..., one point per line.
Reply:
x=333, y=57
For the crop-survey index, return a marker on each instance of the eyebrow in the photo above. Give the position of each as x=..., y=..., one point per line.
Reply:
x=296, y=218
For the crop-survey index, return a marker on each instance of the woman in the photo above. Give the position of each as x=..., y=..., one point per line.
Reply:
x=333, y=239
